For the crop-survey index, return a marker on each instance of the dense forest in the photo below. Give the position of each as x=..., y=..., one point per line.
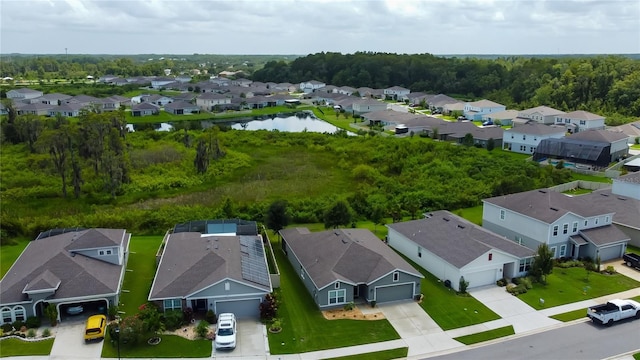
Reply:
x=609, y=85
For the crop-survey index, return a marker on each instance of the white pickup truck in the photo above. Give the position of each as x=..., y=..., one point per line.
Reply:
x=614, y=310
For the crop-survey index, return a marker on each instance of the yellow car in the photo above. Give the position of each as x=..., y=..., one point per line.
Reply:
x=95, y=328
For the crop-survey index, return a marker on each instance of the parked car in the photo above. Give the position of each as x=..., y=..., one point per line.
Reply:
x=462, y=118
x=632, y=260
x=614, y=310
x=95, y=327
x=75, y=310
x=225, y=332
x=488, y=122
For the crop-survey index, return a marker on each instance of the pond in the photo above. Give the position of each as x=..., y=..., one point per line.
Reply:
x=297, y=122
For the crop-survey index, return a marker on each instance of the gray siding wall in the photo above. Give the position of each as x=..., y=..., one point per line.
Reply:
x=322, y=297
x=113, y=258
x=302, y=274
x=511, y=234
x=388, y=280
x=633, y=234
x=220, y=290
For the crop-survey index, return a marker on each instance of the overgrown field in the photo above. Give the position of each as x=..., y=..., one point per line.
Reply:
x=311, y=171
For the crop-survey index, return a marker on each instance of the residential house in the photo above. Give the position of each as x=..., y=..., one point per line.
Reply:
x=85, y=100
x=474, y=110
x=181, y=107
x=457, y=131
x=396, y=93
x=572, y=227
x=345, y=265
x=66, y=110
x=448, y=109
x=451, y=248
x=209, y=101
x=289, y=87
x=632, y=130
x=155, y=99
x=580, y=120
x=161, y=82
x=241, y=82
x=144, y=109
x=501, y=117
x=541, y=114
x=34, y=109
x=22, y=94
x=107, y=78
x=415, y=98
x=525, y=138
x=346, y=90
x=438, y=102
x=183, y=78
x=212, y=265
x=628, y=185
x=53, y=99
x=65, y=267
x=368, y=105
x=220, y=81
x=311, y=86
x=592, y=148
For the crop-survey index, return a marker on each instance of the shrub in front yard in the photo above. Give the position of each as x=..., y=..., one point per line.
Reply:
x=502, y=282
x=202, y=328
x=569, y=264
x=211, y=317
x=46, y=333
x=268, y=308
x=173, y=319
x=462, y=285
x=527, y=283
x=31, y=333
x=33, y=322
x=349, y=306
x=610, y=270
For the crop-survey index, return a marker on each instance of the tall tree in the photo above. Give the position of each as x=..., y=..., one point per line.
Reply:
x=29, y=128
x=276, y=217
x=542, y=264
x=56, y=143
x=336, y=215
x=201, y=161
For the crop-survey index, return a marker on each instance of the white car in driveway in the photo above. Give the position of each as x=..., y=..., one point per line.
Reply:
x=225, y=332
x=75, y=310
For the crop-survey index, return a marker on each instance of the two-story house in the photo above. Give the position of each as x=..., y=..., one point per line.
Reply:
x=396, y=93
x=367, y=105
x=208, y=101
x=572, y=227
x=311, y=86
x=525, y=138
x=23, y=94
x=592, y=148
x=474, y=110
x=541, y=114
x=580, y=120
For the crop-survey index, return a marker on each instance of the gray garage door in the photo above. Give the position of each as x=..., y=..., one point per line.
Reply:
x=480, y=278
x=243, y=309
x=393, y=293
x=610, y=253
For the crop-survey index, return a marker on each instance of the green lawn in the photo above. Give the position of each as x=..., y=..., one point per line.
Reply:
x=633, y=249
x=565, y=286
x=379, y=355
x=171, y=346
x=473, y=214
x=17, y=347
x=602, y=179
x=9, y=254
x=635, y=146
x=486, y=335
x=304, y=327
x=578, y=314
x=578, y=191
x=141, y=268
x=446, y=308
x=164, y=116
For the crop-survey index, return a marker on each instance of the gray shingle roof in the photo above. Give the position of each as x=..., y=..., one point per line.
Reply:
x=484, y=103
x=191, y=263
x=45, y=262
x=456, y=240
x=581, y=115
x=547, y=205
x=633, y=177
x=598, y=136
x=543, y=110
x=534, y=128
x=627, y=210
x=350, y=255
x=604, y=235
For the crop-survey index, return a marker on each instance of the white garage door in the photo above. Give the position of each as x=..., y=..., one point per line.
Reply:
x=481, y=278
x=243, y=309
x=394, y=293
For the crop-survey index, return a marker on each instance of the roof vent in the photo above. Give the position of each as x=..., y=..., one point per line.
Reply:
x=554, y=209
x=343, y=241
x=622, y=198
x=445, y=218
x=605, y=195
x=337, y=233
x=460, y=226
x=543, y=191
x=215, y=246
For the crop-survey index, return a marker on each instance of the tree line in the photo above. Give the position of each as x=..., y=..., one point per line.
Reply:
x=609, y=85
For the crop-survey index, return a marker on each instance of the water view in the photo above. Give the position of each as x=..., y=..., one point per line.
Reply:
x=298, y=122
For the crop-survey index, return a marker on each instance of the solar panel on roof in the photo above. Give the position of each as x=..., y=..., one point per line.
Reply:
x=253, y=265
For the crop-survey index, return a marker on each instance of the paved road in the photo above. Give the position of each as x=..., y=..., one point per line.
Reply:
x=580, y=341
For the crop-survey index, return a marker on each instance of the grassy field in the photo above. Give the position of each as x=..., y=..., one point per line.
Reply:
x=141, y=268
x=633, y=249
x=305, y=329
x=171, y=346
x=17, y=347
x=486, y=335
x=9, y=254
x=565, y=286
x=473, y=214
x=578, y=191
x=602, y=179
x=379, y=355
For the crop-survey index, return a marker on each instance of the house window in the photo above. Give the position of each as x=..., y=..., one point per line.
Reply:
x=512, y=136
x=563, y=250
x=606, y=219
x=555, y=230
x=490, y=256
x=524, y=137
x=583, y=122
x=419, y=252
x=554, y=251
x=337, y=296
x=6, y=315
x=227, y=286
x=597, y=221
x=301, y=272
x=558, y=120
x=108, y=252
x=337, y=285
x=525, y=264
x=502, y=214
x=519, y=240
x=101, y=252
x=565, y=229
x=396, y=276
x=173, y=304
x=586, y=222
x=567, y=121
x=575, y=227
x=19, y=313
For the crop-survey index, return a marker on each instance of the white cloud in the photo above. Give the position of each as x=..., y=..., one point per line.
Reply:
x=309, y=26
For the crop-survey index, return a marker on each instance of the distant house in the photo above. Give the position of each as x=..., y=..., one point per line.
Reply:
x=181, y=107
x=66, y=110
x=35, y=109
x=505, y=117
x=212, y=266
x=343, y=265
x=476, y=109
x=85, y=100
x=525, y=138
x=396, y=93
x=345, y=90
x=311, y=86
x=53, y=99
x=65, y=267
x=451, y=247
x=368, y=105
x=541, y=114
x=592, y=147
x=209, y=101
x=220, y=81
x=23, y=94
x=437, y=103
x=161, y=82
x=572, y=227
x=144, y=109
x=241, y=82
x=580, y=120
x=632, y=130
x=155, y=99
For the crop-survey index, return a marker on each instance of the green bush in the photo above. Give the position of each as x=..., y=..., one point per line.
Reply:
x=31, y=333
x=349, y=306
x=517, y=290
x=18, y=324
x=33, y=322
x=502, y=282
x=173, y=319
x=569, y=264
x=46, y=332
x=202, y=329
x=516, y=280
x=211, y=317
x=527, y=283
x=610, y=270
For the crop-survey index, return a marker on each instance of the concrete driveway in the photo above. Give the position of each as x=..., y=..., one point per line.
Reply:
x=421, y=334
x=623, y=269
x=514, y=311
x=69, y=343
x=251, y=342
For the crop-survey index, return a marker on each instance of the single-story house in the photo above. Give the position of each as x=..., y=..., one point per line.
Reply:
x=632, y=130
x=450, y=247
x=218, y=269
x=505, y=117
x=65, y=267
x=476, y=109
x=35, y=109
x=156, y=99
x=592, y=148
x=23, y=94
x=144, y=109
x=396, y=93
x=345, y=265
x=66, y=110
x=368, y=105
x=181, y=107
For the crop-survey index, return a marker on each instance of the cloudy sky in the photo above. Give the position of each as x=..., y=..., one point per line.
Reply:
x=310, y=26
